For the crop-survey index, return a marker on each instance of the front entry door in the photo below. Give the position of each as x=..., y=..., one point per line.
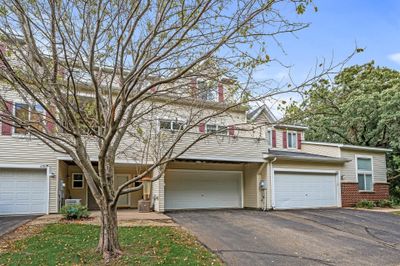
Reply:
x=123, y=200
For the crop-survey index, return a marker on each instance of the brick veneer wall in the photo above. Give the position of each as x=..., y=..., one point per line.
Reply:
x=351, y=195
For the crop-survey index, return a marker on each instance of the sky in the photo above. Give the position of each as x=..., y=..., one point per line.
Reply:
x=335, y=30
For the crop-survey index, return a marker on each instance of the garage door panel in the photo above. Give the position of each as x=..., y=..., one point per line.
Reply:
x=23, y=191
x=305, y=190
x=202, y=189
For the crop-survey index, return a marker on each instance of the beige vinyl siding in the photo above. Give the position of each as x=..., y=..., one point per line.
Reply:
x=222, y=148
x=379, y=165
x=158, y=191
x=250, y=189
x=321, y=149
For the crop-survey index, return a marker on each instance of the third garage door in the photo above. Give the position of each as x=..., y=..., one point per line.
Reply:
x=305, y=190
x=202, y=189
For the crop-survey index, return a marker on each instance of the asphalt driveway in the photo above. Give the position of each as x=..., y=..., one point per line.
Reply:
x=10, y=223
x=300, y=237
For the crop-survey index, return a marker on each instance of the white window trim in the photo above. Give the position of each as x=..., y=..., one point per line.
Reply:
x=295, y=139
x=217, y=128
x=269, y=140
x=214, y=93
x=357, y=156
x=72, y=181
x=159, y=120
x=28, y=134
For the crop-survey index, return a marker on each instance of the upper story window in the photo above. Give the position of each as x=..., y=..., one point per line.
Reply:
x=269, y=138
x=34, y=115
x=171, y=125
x=364, y=173
x=292, y=140
x=218, y=129
x=206, y=92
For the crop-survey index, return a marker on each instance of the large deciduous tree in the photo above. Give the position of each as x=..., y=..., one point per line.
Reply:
x=360, y=106
x=101, y=70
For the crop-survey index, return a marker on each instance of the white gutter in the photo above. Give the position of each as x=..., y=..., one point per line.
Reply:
x=348, y=146
x=305, y=158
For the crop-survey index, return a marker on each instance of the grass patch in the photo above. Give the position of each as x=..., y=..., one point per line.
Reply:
x=72, y=244
x=396, y=212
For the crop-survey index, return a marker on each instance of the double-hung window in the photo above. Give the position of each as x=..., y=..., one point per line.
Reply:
x=171, y=125
x=34, y=116
x=364, y=173
x=217, y=129
x=269, y=138
x=77, y=181
x=292, y=140
x=206, y=92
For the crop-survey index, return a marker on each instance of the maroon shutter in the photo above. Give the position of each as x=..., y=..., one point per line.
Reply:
x=202, y=127
x=6, y=129
x=299, y=140
x=50, y=124
x=231, y=130
x=153, y=89
x=284, y=139
x=220, y=92
x=273, y=138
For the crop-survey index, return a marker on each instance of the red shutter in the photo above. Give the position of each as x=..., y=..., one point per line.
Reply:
x=220, y=92
x=231, y=130
x=6, y=129
x=202, y=127
x=50, y=124
x=273, y=138
x=299, y=140
x=284, y=139
x=153, y=89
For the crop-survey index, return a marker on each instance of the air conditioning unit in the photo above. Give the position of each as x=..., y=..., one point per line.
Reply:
x=72, y=201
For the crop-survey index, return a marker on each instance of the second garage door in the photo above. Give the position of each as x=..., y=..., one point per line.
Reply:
x=191, y=189
x=23, y=191
x=305, y=190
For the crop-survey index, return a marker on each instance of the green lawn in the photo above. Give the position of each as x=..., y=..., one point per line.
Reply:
x=67, y=244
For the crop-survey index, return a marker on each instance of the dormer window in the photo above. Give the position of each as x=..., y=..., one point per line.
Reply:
x=206, y=92
x=292, y=139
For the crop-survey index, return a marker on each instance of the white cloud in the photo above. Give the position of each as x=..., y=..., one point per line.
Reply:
x=395, y=58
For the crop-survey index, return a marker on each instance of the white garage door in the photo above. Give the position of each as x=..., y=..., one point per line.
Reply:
x=305, y=190
x=23, y=191
x=188, y=189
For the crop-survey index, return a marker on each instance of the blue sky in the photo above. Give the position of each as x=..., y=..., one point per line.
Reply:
x=335, y=30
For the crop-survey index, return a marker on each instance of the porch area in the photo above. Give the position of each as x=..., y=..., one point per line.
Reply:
x=72, y=185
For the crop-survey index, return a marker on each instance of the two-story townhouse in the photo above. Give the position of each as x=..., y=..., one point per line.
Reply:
x=252, y=162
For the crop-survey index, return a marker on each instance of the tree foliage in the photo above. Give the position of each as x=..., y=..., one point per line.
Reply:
x=360, y=107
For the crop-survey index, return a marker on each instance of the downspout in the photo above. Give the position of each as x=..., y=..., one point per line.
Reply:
x=259, y=171
x=270, y=176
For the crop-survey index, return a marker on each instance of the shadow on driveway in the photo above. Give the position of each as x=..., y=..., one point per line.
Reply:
x=299, y=237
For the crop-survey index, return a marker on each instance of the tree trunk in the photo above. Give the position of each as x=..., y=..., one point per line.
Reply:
x=108, y=241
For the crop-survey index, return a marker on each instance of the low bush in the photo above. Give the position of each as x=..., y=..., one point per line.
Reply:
x=366, y=204
x=395, y=200
x=384, y=203
x=75, y=211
